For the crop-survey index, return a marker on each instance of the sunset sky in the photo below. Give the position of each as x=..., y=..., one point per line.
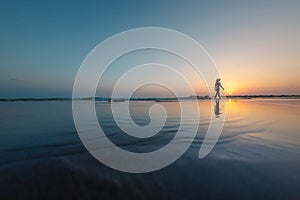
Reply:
x=255, y=44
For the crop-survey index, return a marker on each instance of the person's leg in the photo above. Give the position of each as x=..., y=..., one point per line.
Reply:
x=219, y=95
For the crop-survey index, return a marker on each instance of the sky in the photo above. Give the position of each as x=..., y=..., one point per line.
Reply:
x=255, y=44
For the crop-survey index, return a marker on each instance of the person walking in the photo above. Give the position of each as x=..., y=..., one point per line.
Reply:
x=218, y=85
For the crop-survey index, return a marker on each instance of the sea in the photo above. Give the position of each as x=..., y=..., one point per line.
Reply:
x=257, y=155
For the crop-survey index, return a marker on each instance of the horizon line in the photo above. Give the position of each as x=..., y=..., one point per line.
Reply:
x=145, y=98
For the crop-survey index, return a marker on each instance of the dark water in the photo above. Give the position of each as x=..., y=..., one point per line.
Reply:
x=256, y=157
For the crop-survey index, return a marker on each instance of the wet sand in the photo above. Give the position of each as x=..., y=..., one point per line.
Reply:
x=256, y=157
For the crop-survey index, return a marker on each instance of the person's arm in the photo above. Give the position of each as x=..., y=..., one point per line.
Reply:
x=221, y=86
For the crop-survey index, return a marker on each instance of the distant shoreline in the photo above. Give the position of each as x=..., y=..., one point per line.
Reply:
x=159, y=99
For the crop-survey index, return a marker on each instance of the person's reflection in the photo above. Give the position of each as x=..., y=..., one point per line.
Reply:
x=217, y=108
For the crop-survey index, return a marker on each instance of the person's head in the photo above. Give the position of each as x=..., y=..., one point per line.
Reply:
x=218, y=79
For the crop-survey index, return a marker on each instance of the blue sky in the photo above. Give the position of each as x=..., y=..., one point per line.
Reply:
x=44, y=42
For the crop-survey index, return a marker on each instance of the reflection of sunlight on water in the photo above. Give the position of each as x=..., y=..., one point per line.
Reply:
x=254, y=124
x=255, y=121
x=259, y=129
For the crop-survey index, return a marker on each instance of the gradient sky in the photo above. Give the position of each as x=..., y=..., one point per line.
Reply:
x=255, y=44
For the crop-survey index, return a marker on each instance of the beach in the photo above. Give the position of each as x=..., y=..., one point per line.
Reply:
x=256, y=157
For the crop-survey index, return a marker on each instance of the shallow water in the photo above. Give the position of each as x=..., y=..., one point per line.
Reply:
x=256, y=157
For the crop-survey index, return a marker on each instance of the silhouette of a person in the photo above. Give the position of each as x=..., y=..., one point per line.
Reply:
x=218, y=85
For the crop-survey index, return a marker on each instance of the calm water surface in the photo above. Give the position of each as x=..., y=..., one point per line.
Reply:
x=256, y=157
